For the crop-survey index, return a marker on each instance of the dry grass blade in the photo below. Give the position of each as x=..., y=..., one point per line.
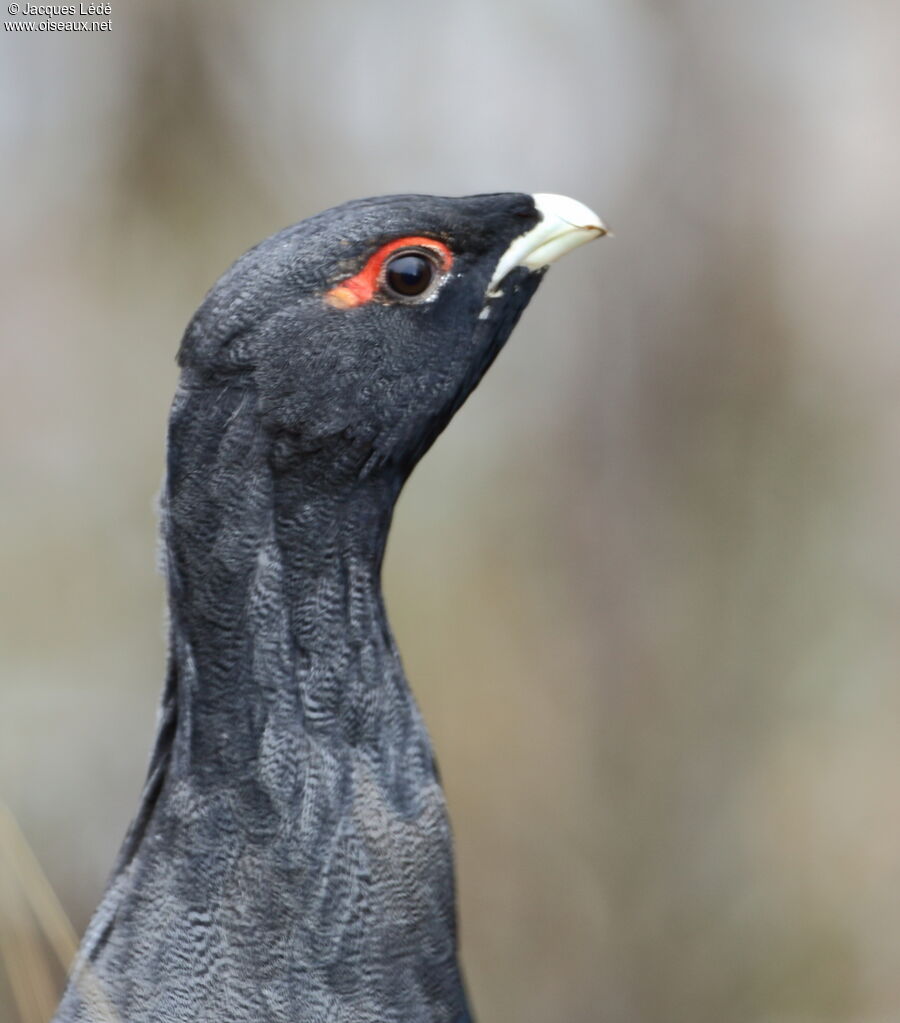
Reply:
x=33, y=921
x=25, y=956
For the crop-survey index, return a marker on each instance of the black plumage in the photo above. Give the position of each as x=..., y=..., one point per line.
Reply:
x=291, y=856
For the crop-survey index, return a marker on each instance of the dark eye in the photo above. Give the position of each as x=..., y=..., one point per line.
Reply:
x=409, y=274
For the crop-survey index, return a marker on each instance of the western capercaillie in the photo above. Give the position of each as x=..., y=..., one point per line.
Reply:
x=291, y=859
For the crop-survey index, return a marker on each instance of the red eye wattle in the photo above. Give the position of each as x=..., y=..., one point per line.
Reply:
x=409, y=275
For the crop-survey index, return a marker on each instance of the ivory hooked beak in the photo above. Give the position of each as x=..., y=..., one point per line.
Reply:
x=564, y=225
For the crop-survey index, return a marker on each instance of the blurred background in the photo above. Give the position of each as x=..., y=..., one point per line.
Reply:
x=647, y=586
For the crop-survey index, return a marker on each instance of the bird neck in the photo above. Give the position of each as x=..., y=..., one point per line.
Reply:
x=291, y=764
x=274, y=551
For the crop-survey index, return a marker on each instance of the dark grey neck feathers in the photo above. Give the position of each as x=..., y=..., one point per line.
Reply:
x=294, y=846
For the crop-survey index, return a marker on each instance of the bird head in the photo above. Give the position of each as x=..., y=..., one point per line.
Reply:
x=361, y=330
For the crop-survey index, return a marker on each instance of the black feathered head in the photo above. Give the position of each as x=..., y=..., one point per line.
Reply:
x=361, y=330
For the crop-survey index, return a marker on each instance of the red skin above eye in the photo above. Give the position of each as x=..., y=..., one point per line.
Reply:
x=362, y=286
